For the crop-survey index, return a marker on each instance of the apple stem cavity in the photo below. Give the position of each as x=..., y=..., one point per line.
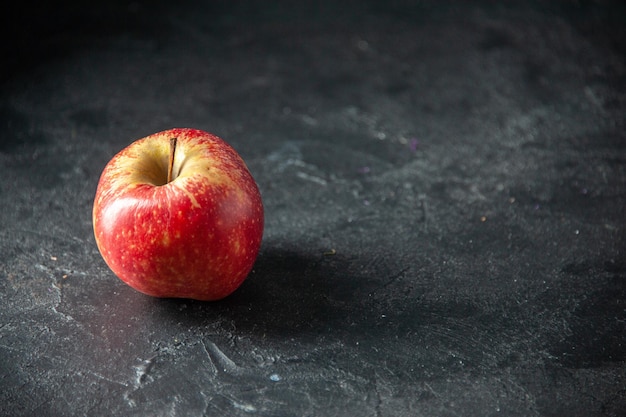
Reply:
x=170, y=166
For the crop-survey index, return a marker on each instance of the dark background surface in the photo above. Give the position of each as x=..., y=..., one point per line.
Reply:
x=444, y=185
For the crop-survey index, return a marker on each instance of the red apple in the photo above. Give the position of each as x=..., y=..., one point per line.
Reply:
x=194, y=235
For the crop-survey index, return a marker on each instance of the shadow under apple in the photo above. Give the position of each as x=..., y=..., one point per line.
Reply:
x=288, y=292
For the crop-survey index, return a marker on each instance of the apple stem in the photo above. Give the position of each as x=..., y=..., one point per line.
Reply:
x=170, y=166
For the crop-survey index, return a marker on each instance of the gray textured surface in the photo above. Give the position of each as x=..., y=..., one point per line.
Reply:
x=445, y=187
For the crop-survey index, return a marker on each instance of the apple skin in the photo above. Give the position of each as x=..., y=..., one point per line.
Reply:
x=195, y=237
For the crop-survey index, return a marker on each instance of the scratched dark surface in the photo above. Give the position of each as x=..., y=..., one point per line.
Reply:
x=444, y=185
